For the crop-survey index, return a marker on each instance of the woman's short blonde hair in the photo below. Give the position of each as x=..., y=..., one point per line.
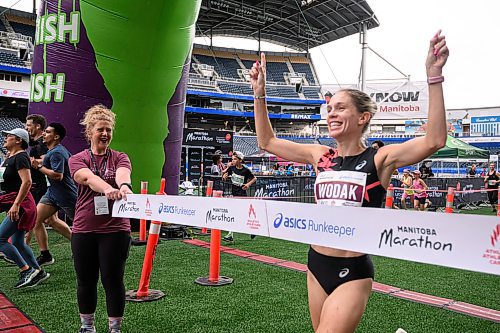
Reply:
x=95, y=114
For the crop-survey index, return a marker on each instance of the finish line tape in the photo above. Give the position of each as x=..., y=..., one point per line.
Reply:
x=470, y=242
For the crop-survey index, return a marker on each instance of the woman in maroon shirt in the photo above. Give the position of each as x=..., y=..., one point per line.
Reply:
x=100, y=242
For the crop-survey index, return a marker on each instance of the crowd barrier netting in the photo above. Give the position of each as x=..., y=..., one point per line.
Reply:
x=301, y=189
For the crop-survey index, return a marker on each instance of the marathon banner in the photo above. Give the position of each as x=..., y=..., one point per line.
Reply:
x=452, y=240
x=300, y=188
x=215, y=139
x=395, y=100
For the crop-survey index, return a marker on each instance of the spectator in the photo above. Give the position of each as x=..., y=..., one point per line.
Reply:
x=472, y=172
x=241, y=179
x=426, y=170
x=420, y=188
x=491, y=181
x=35, y=125
x=100, y=242
x=377, y=144
x=18, y=201
x=61, y=194
x=407, y=182
x=485, y=171
x=217, y=166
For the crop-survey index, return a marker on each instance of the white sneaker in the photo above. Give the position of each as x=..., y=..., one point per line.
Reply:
x=400, y=330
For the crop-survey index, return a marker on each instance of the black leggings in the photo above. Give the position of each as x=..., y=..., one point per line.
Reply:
x=493, y=196
x=107, y=254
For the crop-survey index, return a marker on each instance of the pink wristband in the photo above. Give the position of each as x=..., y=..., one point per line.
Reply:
x=435, y=79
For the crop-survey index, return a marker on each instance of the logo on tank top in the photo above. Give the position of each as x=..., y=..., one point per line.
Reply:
x=360, y=165
x=343, y=273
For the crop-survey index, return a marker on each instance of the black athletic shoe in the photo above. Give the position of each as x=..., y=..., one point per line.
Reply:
x=87, y=330
x=228, y=238
x=40, y=277
x=114, y=330
x=26, y=277
x=44, y=260
x=7, y=260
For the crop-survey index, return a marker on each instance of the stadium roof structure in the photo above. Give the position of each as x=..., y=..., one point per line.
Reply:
x=297, y=24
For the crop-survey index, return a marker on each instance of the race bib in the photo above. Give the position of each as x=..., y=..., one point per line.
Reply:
x=340, y=188
x=101, y=205
x=237, y=180
x=2, y=170
x=490, y=182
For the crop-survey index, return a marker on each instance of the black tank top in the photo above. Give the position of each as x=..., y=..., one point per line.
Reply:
x=374, y=193
x=492, y=176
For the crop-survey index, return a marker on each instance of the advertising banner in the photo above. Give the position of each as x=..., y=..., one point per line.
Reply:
x=395, y=100
x=246, y=216
x=470, y=242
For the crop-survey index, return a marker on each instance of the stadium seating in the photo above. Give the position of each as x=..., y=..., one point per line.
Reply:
x=311, y=92
x=11, y=59
x=300, y=140
x=306, y=69
x=246, y=144
x=227, y=68
x=235, y=88
x=275, y=71
x=287, y=91
x=327, y=142
x=24, y=29
x=6, y=124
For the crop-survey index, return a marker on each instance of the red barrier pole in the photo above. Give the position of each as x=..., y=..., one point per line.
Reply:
x=144, y=294
x=389, y=198
x=142, y=223
x=210, y=186
x=498, y=205
x=142, y=227
x=214, y=280
x=450, y=196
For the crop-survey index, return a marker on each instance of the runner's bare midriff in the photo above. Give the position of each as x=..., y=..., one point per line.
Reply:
x=328, y=251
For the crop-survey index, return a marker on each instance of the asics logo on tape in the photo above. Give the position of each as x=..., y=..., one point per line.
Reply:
x=360, y=165
x=343, y=273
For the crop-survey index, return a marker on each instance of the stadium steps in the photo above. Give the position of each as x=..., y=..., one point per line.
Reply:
x=6, y=23
x=289, y=65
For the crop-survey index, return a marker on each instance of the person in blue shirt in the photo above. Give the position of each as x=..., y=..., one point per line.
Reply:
x=61, y=194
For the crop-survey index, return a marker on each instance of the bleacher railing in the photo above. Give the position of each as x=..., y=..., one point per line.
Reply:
x=15, y=35
x=201, y=82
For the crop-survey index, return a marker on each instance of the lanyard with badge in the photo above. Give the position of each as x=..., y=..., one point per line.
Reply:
x=100, y=202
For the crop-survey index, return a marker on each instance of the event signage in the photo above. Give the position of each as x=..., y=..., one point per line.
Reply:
x=14, y=93
x=213, y=213
x=489, y=126
x=200, y=145
x=396, y=100
x=207, y=138
x=452, y=240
